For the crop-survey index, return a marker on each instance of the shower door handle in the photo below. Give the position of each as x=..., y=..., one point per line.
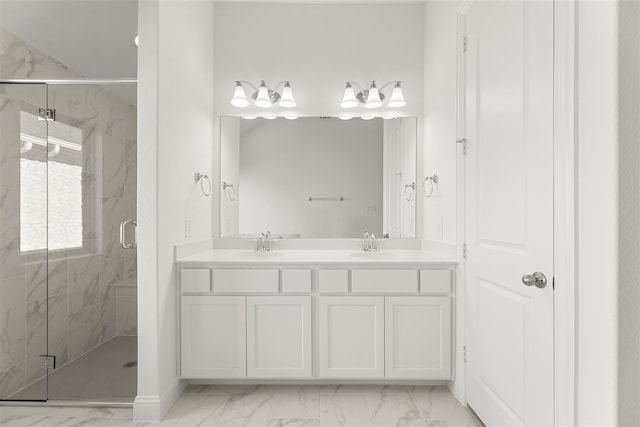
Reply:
x=123, y=234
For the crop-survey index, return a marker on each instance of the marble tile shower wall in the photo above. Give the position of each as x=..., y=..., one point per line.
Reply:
x=81, y=300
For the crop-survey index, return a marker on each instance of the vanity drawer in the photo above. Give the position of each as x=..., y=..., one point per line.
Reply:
x=195, y=280
x=245, y=281
x=384, y=281
x=435, y=281
x=296, y=281
x=333, y=281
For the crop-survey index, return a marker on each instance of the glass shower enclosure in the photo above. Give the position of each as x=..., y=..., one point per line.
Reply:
x=67, y=282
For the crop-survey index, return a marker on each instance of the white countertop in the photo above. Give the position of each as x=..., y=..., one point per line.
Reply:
x=315, y=257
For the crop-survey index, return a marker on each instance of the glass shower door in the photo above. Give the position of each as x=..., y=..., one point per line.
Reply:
x=91, y=189
x=24, y=284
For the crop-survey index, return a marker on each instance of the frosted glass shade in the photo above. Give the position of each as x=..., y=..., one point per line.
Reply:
x=263, y=100
x=349, y=98
x=397, y=97
x=373, y=98
x=239, y=98
x=287, y=100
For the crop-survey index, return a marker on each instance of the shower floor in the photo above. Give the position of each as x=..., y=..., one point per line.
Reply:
x=99, y=375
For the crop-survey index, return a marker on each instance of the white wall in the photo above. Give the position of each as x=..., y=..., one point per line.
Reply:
x=284, y=162
x=175, y=140
x=439, y=157
x=318, y=47
x=440, y=60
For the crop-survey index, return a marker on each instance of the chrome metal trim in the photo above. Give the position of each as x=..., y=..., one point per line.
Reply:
x=68, y=81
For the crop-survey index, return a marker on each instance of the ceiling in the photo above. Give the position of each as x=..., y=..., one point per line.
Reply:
x=92, y=37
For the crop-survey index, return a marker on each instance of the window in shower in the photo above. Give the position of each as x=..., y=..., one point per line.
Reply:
x=50, y=185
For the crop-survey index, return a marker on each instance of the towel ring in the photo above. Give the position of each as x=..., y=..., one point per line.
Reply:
x=432, y=180
x=200, y=177
x=408, y=194
x=231, y=195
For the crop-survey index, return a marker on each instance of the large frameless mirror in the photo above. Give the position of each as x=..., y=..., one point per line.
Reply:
x=318, y=177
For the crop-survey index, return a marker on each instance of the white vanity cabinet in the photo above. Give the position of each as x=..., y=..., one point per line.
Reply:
x=351, y=330
x=418, y=337
x=316, y=322
x=213, y=336
x=279, y=336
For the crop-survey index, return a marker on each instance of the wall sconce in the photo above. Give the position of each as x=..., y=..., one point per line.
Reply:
x=262, y=96
x=372, y=97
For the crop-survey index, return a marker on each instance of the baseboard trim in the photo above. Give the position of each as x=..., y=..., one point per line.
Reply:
x=146, y=408
x=154, y=407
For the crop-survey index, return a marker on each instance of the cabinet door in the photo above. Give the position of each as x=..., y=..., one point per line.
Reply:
x=279, y=337
x=213, y=337
x=351, y=337
x=418, y=337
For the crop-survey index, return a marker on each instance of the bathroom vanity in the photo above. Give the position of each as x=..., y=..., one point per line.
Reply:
x=315, y=315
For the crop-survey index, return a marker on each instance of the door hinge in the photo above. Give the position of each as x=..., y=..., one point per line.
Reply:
x=47, y=114
x=462, y=141
x=464, y=44
x=464, y=250
x=48, y=361
x=464, y=353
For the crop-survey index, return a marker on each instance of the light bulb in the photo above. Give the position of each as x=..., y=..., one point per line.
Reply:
x=269, y=117
x=249, y=117
x=239, y=98
x=290, y=116
x=287, y=100
x=345, y=117
x=397, y=98
x=390, y=115
x=368, y=117
x=262, y=99
x=373, y=99
x=349, y=98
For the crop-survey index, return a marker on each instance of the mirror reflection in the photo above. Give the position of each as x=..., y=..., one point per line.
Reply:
x=318, y=177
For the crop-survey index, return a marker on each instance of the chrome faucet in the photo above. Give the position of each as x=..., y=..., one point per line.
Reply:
x=370, y=243
x=264, y=242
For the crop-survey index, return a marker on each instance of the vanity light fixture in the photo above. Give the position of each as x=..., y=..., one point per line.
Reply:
x=372, y=97
x=262, y=96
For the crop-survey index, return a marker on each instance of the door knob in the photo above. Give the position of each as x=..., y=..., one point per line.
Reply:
x=536, y=279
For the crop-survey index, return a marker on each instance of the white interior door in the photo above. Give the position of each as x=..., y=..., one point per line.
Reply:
x=509, y=210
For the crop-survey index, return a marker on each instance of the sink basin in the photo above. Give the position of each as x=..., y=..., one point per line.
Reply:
x=259, y=255
x=372, y=255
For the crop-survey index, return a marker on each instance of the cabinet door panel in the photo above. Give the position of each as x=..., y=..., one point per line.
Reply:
x=418, y=337
x=279, y=337
x=351, y=337
x=213, y=337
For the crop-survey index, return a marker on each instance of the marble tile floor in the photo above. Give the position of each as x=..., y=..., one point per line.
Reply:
x=100, y=375
x=243, y=405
